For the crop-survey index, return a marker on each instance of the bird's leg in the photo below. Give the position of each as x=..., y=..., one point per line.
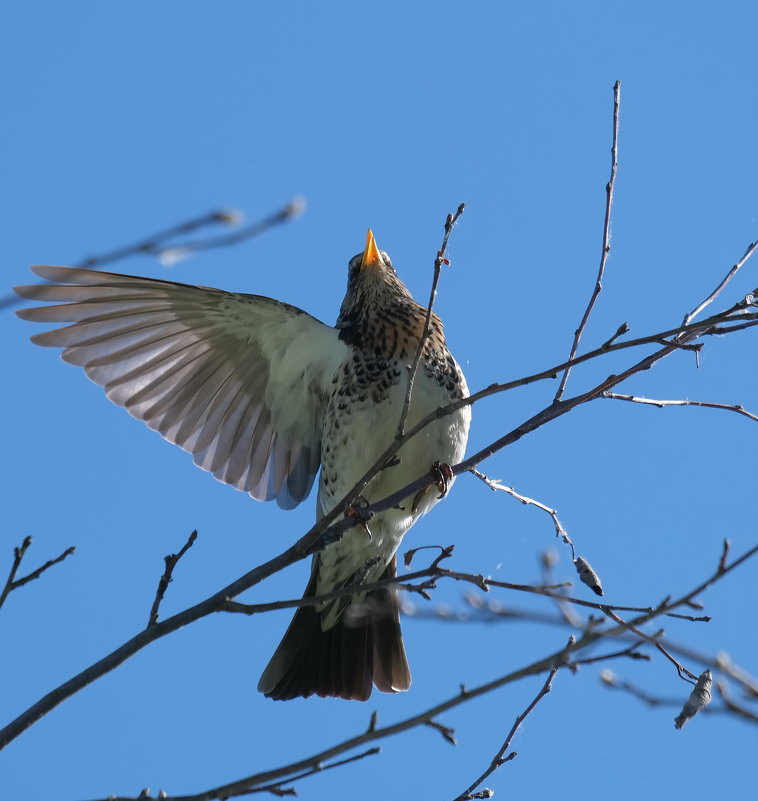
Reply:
x=442, y=475
x=357, y=510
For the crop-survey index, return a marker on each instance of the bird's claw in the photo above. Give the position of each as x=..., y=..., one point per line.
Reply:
x=442, y=474
x=356, y=508
x=357, y=511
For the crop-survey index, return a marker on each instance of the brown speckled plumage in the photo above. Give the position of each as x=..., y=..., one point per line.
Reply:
x=263, y=395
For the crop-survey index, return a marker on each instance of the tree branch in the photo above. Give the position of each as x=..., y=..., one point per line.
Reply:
x=661, y=403
x=606, y=238
x=439, y=260
x=562, y=658
x=170, y=562
x=157, y=244
x=500, y=759
x=12, y=583
x=751, y=248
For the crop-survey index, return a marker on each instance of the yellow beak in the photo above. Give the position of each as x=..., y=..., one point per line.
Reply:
x=371, y=253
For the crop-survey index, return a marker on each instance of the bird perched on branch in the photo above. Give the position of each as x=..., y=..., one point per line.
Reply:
x=263, y=395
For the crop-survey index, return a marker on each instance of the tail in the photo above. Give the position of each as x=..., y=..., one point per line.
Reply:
x=362, y=649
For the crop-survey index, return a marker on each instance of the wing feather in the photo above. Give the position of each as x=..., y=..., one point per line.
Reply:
x=236, y=380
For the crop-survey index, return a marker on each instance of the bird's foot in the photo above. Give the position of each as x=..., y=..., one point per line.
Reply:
x=357, y=511
x=442, y=474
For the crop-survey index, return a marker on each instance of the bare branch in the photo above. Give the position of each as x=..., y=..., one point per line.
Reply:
x=661, y=403
x=12, y=583
x=447, y=733
x=493, y=611
x=217, y=601
x=631, y=652
x=277, y=789
x=290, y=211
x=439, y=260
x=328, y=528
x=428, y=717
x=751, y=248
x=728, y=707
x=332, y=530
x=606, y=240
x=633, y=625
x=18, y=555
x=654, y=640
x=245, y=787
x=500, y=759
x=731, y=706
x=550, y=664
x=720, y=663
x=494, y=484
x=157, y=244
x=165, y=579
x=620, y=331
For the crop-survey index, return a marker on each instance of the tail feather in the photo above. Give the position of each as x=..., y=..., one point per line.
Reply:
x=364, y=648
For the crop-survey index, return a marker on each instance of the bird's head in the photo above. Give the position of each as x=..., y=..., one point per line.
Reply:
x=372, y=288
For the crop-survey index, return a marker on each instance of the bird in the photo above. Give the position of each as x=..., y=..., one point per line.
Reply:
x=264, y=396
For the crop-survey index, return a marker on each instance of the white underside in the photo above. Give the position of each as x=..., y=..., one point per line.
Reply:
x=363, y=438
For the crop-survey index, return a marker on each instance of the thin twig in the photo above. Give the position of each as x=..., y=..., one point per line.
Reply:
x=569, y=615
x=732, y=706
x=439, y=260
x=500, y=759
x=631, y=652
x=275, y=788
x=217, y=601
x=558, y=659
x=720, y=663
x=553, y=661
x=327, y=527
x=729, y=707
x=481, y=613
x=751, y=248
x=293, y=209
x=654, y=640
x=494, y=611
x=251, y=786
x=12, y=583
x=402, y=583
x=633, y=626
x=606, y=239
x=18, y=555
x=165, y=579
x=661, y=403
x=153, y=244
x=608, y=679
x=494, y=484
x=447, y=733
x=157, y=244
x=620, y=331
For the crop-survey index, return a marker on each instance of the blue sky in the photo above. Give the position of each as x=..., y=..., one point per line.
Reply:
x=122, y=118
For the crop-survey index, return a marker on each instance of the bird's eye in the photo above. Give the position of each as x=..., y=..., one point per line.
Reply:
x=353, y=268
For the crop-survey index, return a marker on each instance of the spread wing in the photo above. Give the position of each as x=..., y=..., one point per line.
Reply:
x=237, y=380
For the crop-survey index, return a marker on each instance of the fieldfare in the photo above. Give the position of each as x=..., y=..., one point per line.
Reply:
x=263, y=395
